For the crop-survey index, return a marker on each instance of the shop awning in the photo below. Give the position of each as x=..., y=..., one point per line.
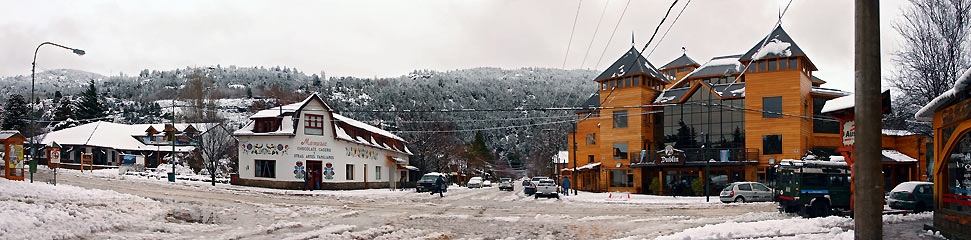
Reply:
x=400, y=160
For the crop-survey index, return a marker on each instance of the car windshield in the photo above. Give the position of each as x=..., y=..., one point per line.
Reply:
x=905, y=187
x=428, y=178
x=505, y=180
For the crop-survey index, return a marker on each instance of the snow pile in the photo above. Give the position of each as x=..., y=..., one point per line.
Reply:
x=812, y=228
x=67, y=211
x=774, y=47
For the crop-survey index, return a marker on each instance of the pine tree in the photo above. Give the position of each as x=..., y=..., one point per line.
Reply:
x=63, y=112
x=89, y=108
x=16, y=114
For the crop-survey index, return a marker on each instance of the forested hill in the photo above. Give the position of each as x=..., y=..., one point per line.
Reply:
x=438, y=112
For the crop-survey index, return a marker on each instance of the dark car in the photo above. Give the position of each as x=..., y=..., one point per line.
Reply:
x=529, y=185
x=427, y=182
x=917, y=196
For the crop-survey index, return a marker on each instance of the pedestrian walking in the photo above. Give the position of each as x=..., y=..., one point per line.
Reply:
x=566, y=186
x=440, y=184
x=316, y=178
x=306, y=180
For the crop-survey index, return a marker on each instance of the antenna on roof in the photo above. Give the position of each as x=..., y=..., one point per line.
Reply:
x=684, y=50
x=631, y=38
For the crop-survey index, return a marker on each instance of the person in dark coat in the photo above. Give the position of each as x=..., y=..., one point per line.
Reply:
x=566, y=186
x=306, y=180
x=316, y=179
x=440, y=184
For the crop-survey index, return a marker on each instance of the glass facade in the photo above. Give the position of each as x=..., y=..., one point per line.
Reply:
x=721, y=121
x=957, y=177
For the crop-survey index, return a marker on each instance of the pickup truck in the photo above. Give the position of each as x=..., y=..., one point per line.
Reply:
x=547, y=188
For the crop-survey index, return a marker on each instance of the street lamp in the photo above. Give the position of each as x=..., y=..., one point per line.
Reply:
x=33, y=69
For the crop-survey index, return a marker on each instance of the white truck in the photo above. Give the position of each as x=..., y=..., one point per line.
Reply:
x=547, y=188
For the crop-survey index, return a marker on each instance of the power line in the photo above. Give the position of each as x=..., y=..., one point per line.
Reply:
x=669, y=29
x=612, y=34
x=595, y=30
x=577, y=16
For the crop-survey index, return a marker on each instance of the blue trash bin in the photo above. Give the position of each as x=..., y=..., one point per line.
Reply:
x=171, y=177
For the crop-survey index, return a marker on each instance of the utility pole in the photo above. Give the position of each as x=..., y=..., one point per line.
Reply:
x=868, y=203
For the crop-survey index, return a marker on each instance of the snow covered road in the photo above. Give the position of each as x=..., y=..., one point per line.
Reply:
x=105, y=205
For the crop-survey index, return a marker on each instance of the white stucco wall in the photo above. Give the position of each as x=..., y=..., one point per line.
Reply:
x=286, y=151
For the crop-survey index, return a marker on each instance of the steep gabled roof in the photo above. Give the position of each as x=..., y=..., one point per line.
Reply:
x=779, y=44
x=592, y=103
x=631, y=63
x=718, y=66
x=681, y=61
x=729, y=90
x=672, y=95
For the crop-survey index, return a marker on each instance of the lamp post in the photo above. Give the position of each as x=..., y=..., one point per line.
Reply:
x=33, y=69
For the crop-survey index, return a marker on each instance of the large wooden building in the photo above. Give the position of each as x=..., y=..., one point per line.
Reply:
x=657, y=130
x=950, y=114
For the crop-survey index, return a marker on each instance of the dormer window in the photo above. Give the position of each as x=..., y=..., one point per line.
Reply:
x=265, y=125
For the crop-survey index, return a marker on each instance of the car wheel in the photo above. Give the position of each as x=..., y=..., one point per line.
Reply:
x=819, y=208
x=740, y=199
x=536, y=196
x=919, y=208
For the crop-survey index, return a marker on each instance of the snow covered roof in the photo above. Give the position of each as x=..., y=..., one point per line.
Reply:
x=718, y=66
x=960, y=86
x=366, y=127
x=591, y=103
x=672, y=95
x=729, y=90
x=631, y=63
x=589, y=166
x=894, y=132
x=681, y=61
x=839, y=103
x=895, y=156
x=5, y=134
x=779, y=44
x=107, y=135
x=818, y=80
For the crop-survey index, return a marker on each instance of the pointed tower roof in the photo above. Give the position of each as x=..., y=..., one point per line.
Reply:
x=681, y=61
x=779, y=44
x=631, y=63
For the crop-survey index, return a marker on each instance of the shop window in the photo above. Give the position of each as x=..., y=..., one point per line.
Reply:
x=349, y=171
x=957, y=186
x=621, y=178
x=313, y=124
x=771, y=144
x=771, y=107
x=591, y=138
x=377, y=172
x=620, y=150
x=620, y=119
x=265, y=168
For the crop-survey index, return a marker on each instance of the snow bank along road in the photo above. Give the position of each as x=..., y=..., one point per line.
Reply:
x=76, y=208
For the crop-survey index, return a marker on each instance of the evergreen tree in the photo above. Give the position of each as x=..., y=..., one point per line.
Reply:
x=89, y=108
x=16, y=114
x=63, y=112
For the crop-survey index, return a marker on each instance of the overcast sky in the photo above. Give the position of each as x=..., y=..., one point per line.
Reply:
x=392, y=38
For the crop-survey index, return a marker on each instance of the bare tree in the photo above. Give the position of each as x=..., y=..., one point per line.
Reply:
x=216, y=146
x=934, y=54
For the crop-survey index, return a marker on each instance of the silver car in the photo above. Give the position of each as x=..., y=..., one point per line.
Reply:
x=746, y=192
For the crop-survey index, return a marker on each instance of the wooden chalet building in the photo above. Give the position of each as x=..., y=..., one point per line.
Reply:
x=650, y=130
x=950, y=114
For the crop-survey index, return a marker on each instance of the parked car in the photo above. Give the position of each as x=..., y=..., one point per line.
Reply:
x=474, y=182
x=917, y=196
x=486, y=183
x=529, y=185
x=427, y=182
x=746, y=192
x=505, y=184
x=547, y=188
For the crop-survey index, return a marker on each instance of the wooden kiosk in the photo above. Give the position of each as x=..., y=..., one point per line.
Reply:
x=12, y=152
